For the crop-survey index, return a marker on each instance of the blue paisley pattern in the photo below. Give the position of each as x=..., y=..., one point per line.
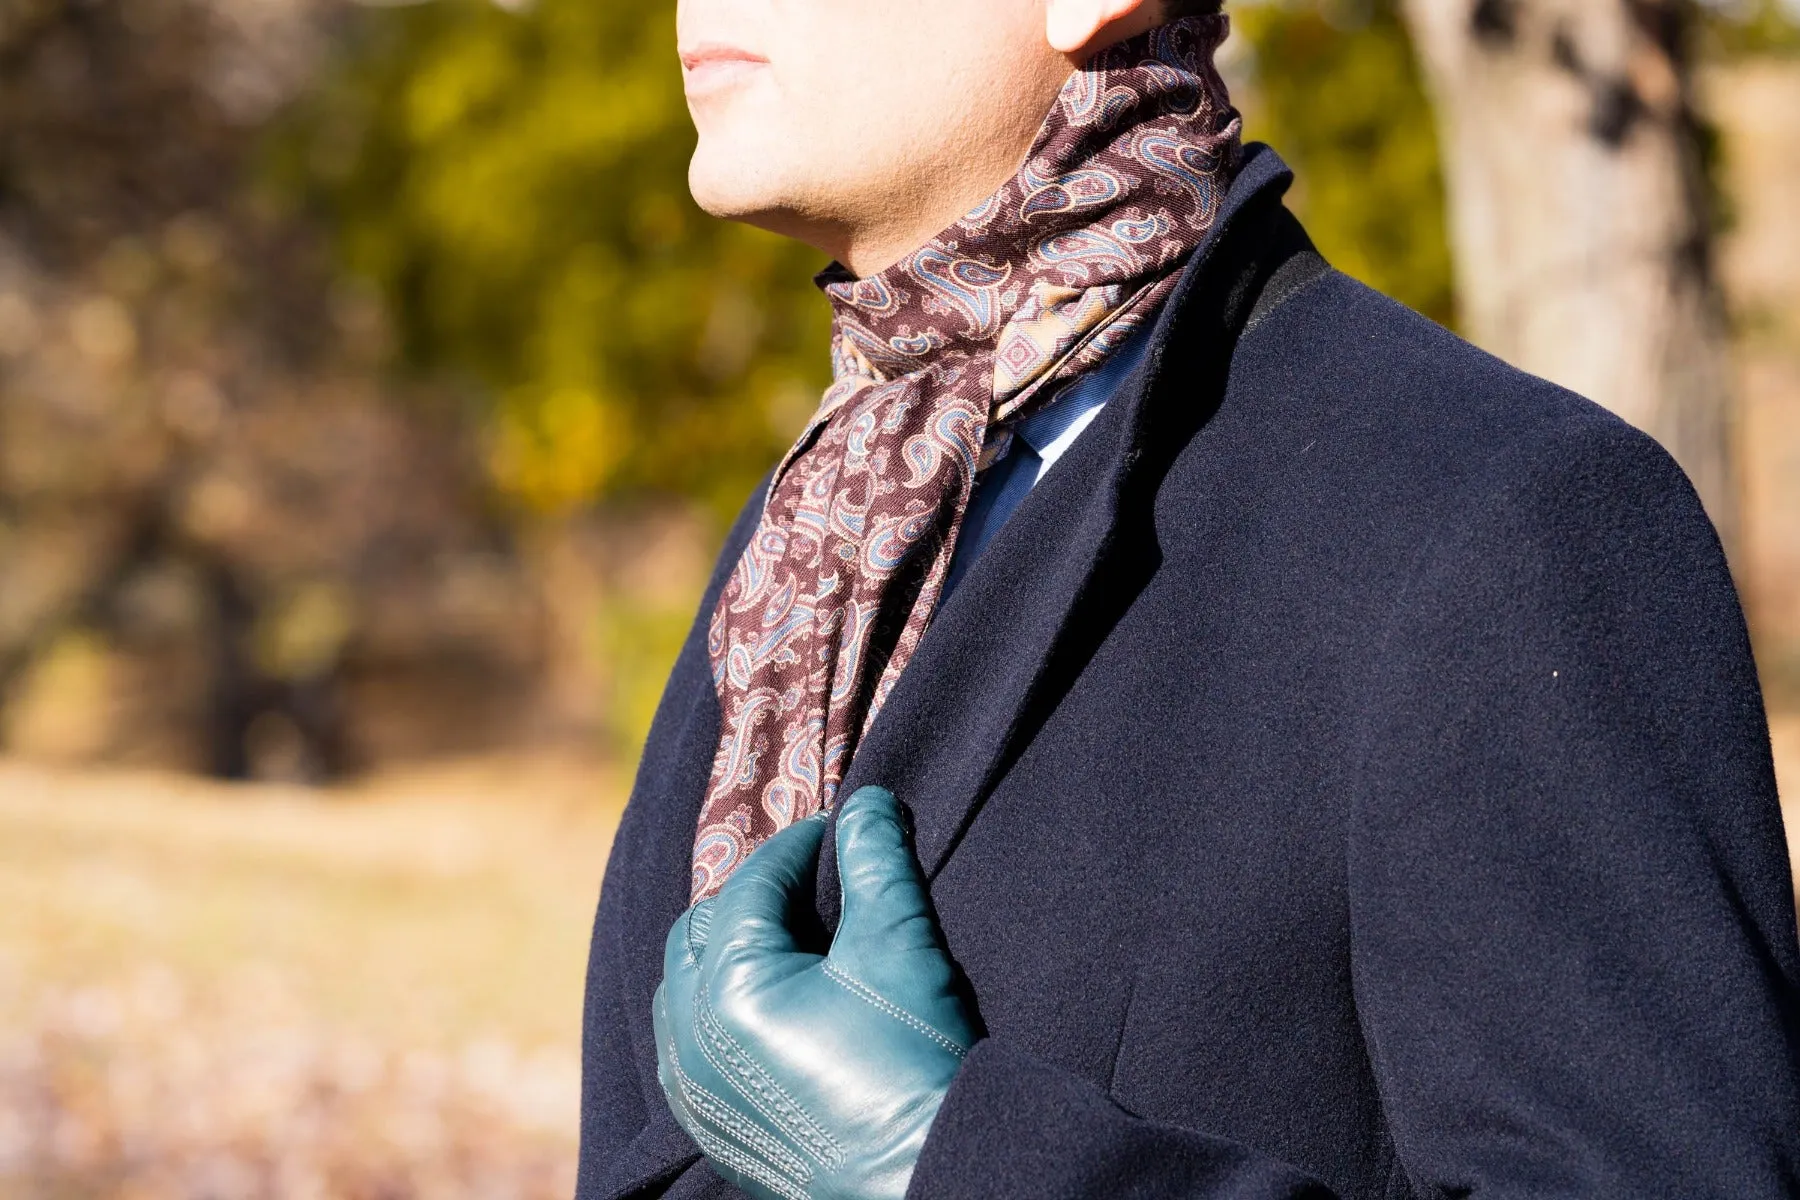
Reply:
x=933, y=360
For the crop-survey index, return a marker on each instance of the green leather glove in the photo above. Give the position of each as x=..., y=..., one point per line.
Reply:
x=807, y=1077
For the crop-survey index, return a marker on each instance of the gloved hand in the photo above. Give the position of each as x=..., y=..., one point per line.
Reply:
x=807, y=1077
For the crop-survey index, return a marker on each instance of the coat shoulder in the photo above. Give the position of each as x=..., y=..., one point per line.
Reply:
x=1402, y=414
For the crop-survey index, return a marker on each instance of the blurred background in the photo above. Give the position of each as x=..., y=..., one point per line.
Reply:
x=373, y=400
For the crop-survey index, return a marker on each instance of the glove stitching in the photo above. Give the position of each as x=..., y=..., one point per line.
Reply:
x=727, y=1155
x=867, y=994
x=791, y=1117
x=703, y=1102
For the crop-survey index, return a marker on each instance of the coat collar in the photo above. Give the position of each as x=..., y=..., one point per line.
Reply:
x=998, y=656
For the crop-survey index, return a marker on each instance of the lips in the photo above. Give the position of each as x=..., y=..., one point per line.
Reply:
x=712, y=66
x=717, y=54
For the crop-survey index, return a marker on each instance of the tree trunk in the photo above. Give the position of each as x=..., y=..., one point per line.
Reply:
x=1580, y=210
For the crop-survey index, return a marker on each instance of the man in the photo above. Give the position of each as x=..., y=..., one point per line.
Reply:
x=1177, y=724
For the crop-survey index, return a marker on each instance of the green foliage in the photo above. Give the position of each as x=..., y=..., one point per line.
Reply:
x=638, y=640
x=1335, y=88
x=514, y=183
x=1739, y=28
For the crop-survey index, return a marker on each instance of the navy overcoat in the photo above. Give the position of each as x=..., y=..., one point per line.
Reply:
x=1345, y=775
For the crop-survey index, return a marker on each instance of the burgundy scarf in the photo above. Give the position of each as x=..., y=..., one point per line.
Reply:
x=934, y=359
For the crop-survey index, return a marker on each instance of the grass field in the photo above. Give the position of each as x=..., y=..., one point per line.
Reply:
x=252, y=992
x=227, y=992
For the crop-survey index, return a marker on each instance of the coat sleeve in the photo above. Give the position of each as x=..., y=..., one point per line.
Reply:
x=1573, y=932
x=630, y=1144
x=1572, y=921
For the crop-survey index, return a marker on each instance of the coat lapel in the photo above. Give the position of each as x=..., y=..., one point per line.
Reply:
x=1011, y=638
x=1016, y=631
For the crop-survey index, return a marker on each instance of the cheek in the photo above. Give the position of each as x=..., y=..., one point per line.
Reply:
x=884, y=53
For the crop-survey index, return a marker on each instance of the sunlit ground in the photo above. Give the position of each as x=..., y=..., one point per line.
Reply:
x=223, y=992
x=227, y=992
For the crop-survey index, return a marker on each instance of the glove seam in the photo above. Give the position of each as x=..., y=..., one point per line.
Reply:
x=734, y=1124
x=810, y=1135
x=869, y=996
x=726, y=1155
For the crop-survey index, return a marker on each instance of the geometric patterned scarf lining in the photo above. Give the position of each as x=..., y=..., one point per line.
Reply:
x=934, y=359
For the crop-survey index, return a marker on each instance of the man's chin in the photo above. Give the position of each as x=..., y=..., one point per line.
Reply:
x=740, y=188
x=733, y=187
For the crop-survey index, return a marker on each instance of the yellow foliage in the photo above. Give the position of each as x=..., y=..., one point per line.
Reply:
x=1343, y=101
x=301, y=636
x=515, y=185
x=556, y=450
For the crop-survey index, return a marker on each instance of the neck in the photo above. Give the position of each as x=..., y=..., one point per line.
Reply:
x=965, y=168
x=869, y=250
x=968, y=170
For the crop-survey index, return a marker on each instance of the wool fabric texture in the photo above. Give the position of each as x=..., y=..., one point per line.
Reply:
x=933, y=360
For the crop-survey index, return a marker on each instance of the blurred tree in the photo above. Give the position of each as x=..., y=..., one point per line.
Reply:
x=513, y=182
x=275, y=567
x=513, y=179
x=207, y=472
x=1582, y=211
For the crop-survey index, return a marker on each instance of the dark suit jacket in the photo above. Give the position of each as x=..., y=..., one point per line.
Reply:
x=1346, y=770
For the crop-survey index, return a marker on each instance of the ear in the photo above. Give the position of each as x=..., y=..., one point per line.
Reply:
x=1080, y=28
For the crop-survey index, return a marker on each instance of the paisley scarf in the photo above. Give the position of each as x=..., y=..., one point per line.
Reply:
x=934, y=360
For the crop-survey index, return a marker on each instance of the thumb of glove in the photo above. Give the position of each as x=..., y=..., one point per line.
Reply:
x=885, y=902
x=888, y=940
x=750, y=920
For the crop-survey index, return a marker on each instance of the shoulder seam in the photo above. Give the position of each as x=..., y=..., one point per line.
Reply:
x=1293, y=277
